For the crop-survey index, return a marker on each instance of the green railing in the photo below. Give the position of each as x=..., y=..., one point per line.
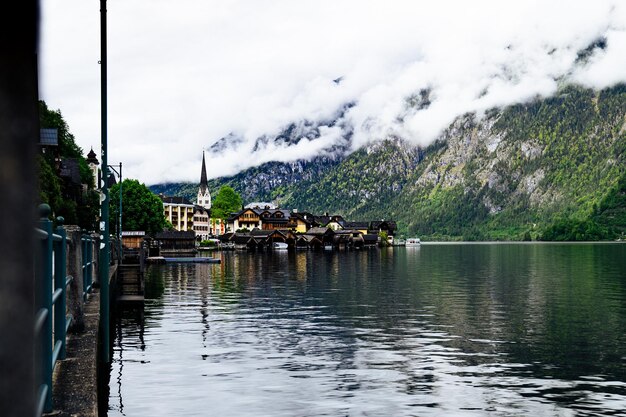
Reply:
x=51, y=323
x=86, y=242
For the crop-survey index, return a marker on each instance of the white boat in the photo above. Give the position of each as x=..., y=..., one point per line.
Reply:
x=413, y=241
x=279, y=245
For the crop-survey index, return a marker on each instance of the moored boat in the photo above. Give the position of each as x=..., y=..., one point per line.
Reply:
x=279, y=245
x=413, y=241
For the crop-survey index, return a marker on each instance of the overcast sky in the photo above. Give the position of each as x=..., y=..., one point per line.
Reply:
x=184, y=73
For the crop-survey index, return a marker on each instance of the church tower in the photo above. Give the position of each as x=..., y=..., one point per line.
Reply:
x=204, y=197
x=92, y=163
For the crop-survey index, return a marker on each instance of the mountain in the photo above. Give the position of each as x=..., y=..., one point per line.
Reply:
x=553, y=168
x=267, y=182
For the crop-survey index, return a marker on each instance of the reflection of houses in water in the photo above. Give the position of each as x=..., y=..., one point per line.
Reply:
x=301, y=266
x=202, y=273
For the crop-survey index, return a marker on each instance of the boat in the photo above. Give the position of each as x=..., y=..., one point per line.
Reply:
x=227, y=246
x=413, y=241
x=279, y=245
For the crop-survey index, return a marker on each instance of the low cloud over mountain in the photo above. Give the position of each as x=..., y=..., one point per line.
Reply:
x=280, y=81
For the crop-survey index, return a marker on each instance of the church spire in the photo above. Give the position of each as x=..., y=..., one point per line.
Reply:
x=204, y=196
x=204, y=184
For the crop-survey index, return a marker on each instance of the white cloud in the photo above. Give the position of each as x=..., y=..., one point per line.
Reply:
x=184, y=74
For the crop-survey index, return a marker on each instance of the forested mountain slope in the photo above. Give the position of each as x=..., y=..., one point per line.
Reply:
x=553, y=168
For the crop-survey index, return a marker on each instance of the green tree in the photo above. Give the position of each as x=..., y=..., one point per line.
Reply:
x=384, y=238
x=225, y=202
x=53, y=119
x=66, y=199
x=49, y=184
x=141, y=209
x=88, y=211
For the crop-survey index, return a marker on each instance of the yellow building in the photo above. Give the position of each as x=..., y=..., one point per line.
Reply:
x=178, y=211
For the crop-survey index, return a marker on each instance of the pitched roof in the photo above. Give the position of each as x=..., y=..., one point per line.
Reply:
x=356, y=225
x=347, y=232
x=258, y=232
x=391, y=225
x=70, y=169
x=323, y=220
x=305, y=217
x=242, y=238
x=319, y=231
x=200, y=209
x=273, y=212
x=92, y=158
x=175, y=200
x=370, y=238
x=227, y=237
x=176, y=234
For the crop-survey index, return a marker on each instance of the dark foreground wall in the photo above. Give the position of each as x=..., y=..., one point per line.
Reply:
x=19, y=132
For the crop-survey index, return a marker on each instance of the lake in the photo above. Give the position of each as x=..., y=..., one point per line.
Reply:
x=441, y=329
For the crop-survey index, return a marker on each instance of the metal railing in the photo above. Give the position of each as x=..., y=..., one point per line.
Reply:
x=87, y=242
x=51, y=323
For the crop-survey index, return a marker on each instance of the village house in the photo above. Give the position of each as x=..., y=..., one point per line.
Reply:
x=246, y=219
x=176, y=242
x=260, y=216
x=201, y=223
x=303, y=221
x=389, y=227
x=179, y=212
x=264, y=219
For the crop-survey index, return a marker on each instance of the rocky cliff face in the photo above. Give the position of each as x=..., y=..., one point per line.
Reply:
x=517, y=169
x=508, y=174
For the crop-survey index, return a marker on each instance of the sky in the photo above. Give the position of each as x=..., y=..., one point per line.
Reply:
x=183, y=74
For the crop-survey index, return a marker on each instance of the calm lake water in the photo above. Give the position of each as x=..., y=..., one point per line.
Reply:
x=451, y=330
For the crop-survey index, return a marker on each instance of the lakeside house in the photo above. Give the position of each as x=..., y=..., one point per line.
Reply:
x=257, y=227
x=174, y=242
x=179, y=212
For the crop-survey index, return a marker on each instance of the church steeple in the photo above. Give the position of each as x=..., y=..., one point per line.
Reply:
x=204, y=197
x=204, y=184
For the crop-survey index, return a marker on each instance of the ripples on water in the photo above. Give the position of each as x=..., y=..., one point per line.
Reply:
x=511, y=330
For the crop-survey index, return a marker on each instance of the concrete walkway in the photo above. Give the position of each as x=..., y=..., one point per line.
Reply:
x=75, y=379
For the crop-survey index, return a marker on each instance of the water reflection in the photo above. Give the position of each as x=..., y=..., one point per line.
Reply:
x=434, y=330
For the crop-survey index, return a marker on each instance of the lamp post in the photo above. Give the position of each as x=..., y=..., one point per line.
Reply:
x=119, y=224
x=103, y=266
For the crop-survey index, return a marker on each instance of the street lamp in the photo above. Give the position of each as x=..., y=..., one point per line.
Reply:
x=104, y=258
x=119, y=225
